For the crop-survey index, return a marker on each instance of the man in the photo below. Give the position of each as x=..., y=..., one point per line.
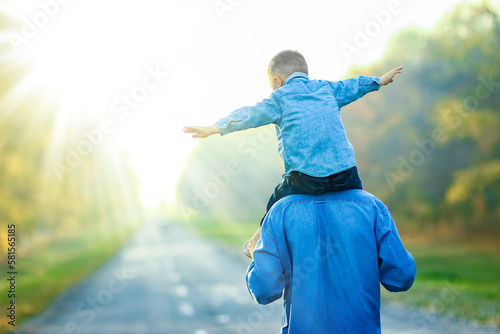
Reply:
x=329, y=253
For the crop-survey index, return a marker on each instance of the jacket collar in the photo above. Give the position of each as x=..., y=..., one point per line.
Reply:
x=295, y=75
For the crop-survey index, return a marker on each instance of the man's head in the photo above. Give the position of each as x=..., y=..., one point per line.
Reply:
x=285, y=64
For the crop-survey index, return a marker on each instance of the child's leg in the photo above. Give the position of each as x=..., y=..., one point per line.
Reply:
x=249, y=246
x=283, y=189
x=346, y=180
x=298, y=183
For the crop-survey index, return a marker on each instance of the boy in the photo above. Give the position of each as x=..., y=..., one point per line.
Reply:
x=312, y=141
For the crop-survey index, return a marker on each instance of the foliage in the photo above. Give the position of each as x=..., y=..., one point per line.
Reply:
x=433, y=148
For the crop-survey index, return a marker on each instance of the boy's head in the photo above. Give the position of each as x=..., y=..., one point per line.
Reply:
x=285, y=64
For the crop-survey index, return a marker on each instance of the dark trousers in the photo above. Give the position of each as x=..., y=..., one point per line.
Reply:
x=300, y=183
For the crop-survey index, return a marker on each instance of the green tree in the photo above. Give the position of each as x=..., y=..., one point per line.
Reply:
x=429, y=144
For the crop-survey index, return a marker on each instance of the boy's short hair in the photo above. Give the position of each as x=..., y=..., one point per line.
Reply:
x=288, y=62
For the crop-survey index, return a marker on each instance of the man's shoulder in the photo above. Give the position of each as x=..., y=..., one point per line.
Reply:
x=354, y=196
x=342, y=204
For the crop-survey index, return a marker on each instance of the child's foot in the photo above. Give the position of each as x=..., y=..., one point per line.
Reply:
x=246, y=249
x=249, y=246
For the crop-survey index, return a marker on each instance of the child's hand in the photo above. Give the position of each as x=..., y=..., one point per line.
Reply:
x=389, y=76
x=201, y=131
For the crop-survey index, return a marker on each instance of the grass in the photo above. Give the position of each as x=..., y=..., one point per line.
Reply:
x=457, y=280
x=44, y=273
x=452, y=279
x=229, y=233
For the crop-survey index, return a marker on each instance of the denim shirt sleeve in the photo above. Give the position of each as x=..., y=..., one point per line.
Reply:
x=265, y=276
x=396, y=265
x=263, y=113
x=347, y=91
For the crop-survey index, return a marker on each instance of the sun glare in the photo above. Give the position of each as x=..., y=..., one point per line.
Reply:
x=104, y=66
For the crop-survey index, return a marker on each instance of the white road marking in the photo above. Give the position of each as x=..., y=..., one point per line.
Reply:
x=186, y=309
x=200, y=331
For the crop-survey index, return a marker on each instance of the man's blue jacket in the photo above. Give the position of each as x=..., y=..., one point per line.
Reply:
x=328, y=255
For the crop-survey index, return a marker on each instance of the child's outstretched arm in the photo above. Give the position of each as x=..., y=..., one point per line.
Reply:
x=347, y=91
x=389, y=76
x=202, y=131
x=263, y=113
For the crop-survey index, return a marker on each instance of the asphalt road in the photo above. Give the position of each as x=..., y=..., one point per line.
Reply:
x=170, y=280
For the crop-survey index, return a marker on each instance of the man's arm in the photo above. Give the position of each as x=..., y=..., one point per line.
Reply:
x=265, y=277
x=396, y=266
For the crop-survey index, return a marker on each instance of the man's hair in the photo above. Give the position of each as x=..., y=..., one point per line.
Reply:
x=288, y=62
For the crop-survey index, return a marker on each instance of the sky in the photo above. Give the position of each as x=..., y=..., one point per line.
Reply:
x=159, y=65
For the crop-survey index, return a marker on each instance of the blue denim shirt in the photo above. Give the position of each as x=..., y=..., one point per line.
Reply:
x=329, y=254
x=311, y=137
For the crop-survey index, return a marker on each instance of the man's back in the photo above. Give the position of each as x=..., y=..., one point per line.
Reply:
x=330, y=254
